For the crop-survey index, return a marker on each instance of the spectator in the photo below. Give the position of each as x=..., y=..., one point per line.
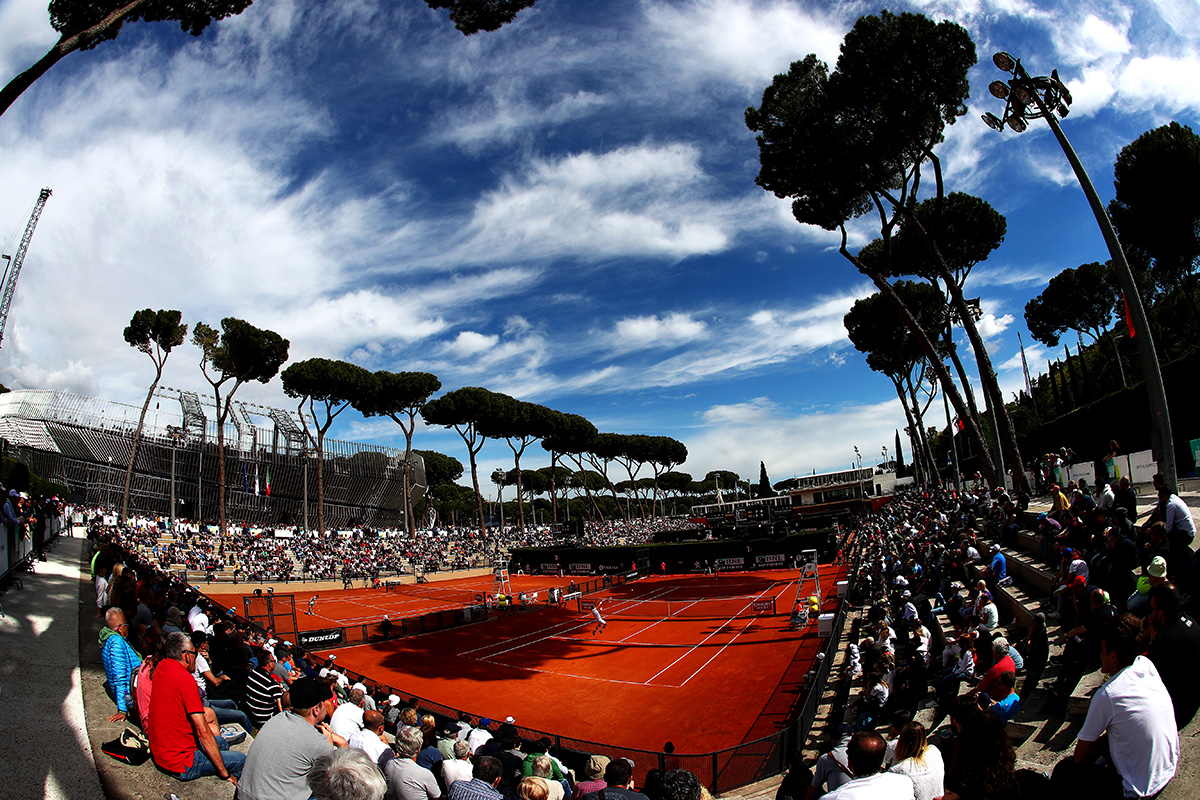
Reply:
x=984, y=759
x=543, y=767
x=345, y=775
x=833, y=768
x=485, y=777
x=1156, y=574
x=680, y=784
x=479, y=735
x=618, y=776
x=264, y=695
x=1175, y=651
x=920, y=762
x=457, y=768
x=406, y=779
x=182, y=742
x=1009, y=703
x=1132, y=712
x=288, y=745
x=533, y=789
x=865, y=754
x=347, y=720
x=593, y=777
x=370, y=738
x=120, y=660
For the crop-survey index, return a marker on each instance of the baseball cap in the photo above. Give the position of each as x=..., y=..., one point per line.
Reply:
x=995, y=548
x=1158, y=567
x=485, y=722
x=393, y=700
x=307, y=692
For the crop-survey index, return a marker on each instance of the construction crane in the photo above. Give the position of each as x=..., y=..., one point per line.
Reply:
x=14, y=262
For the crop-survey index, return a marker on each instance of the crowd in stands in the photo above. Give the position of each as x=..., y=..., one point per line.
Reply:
x=249, y=554
x=934, y=562
x=196, y=681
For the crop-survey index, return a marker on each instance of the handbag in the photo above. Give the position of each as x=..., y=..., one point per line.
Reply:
x=129, y=748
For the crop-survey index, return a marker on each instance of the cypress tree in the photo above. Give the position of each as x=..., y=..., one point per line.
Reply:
x=899, y=456
x=764, y=483
x=1058, y=406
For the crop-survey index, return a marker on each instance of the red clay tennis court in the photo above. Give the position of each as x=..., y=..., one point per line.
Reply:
x=683, y=658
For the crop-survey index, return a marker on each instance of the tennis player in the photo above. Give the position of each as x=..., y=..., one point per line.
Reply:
x=312, y=604
x=600, y=623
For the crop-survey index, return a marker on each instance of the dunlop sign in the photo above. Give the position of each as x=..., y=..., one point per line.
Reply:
x=330, y=637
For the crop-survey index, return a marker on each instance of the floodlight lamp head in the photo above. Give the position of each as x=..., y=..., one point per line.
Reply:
x=993, y=122
x=999, y=89
x=1004, y=62
x=1018, y=124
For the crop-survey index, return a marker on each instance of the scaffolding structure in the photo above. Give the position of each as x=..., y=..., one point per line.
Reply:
x=84, y=443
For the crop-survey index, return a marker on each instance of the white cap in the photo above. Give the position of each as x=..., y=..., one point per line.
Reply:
x=509, y=720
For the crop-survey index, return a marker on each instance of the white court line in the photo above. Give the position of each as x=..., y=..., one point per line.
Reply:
x=574, y=625
x=706, y=638
x=568, y=674
x=714, y=655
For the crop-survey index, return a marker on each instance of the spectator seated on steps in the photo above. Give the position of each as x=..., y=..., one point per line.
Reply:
x=120, y=660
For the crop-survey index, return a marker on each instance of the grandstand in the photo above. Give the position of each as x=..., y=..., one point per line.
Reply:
x=84, y=443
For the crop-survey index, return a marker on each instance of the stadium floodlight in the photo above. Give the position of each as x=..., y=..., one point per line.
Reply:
x=1047, y=97
x=1004, y=62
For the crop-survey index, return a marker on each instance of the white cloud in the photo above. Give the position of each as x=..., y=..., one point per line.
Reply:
x=643, y=200
x=1173, y=83
x=738, y=435
x=991, y=325
x=744, y=41
x=1092, y=38
x=670, y=330
x=470, y=343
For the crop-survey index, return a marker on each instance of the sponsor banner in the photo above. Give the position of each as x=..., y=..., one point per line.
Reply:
x=1142, y=467
x=737, y=562
x=331, y=637
x=587, y=605
x=772, y=560
x=610, y=568
x=549, y=569
x=580, y=569
x=763, y=606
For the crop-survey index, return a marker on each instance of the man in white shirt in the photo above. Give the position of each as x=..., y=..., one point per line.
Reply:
x=457, y=768
x=478, y=736
x=347, y=720
x=865, y=754
x=1130, y=722
x=370, y=738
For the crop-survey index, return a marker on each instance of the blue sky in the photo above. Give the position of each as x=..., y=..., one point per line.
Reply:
x=563, y=210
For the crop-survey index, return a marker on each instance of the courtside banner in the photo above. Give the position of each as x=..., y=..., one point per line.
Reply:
x=763, y=606
x=587, y=605
x=318, y=639
x=774, y=559
x=738, y=562
x=580, y=569
x=549, y=569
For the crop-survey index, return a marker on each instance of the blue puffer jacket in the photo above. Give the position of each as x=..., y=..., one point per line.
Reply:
x=120, y=660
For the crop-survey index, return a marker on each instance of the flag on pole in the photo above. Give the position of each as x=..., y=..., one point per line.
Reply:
x=1025, y=367
x=256, y=479
x=1128, y=319
x=245, y=479
x=268, y=481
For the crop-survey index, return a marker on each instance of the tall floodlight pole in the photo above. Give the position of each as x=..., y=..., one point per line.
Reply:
x=1042, y=97
x=174, y=432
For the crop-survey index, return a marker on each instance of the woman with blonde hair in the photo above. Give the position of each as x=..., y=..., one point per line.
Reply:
x=920, y=762
x=533, y=789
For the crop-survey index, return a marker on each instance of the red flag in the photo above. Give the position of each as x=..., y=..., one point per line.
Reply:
x=1128, y=319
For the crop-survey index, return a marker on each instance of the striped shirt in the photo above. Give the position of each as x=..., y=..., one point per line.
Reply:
x=262, y=694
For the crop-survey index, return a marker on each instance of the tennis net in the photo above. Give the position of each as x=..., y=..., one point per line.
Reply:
x=702, y=608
